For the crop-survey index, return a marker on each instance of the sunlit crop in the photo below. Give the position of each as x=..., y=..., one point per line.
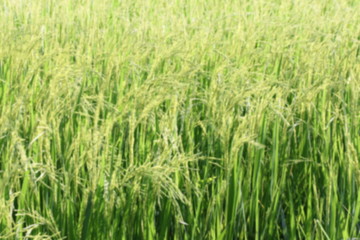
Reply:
x=179, y=119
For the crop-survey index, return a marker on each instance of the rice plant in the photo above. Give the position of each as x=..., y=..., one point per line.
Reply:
x=169, y=119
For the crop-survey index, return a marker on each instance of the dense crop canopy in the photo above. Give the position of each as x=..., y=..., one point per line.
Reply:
x=171, y=119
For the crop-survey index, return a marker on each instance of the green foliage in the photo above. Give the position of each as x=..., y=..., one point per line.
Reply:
x=169, y=119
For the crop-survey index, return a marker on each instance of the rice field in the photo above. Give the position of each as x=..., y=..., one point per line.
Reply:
x=179, y=119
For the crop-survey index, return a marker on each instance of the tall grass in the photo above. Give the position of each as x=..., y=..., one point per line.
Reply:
x=169, y=119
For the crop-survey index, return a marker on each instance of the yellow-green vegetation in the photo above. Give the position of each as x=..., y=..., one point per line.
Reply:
x=179, y=119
